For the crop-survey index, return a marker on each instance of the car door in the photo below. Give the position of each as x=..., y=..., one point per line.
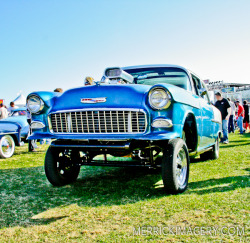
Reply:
x=206, y=114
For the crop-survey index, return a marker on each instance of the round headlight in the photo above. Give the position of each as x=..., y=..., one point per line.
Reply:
x=159, y=98
x=34, y=104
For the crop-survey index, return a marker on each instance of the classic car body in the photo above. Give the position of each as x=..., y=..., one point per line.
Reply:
x=13, y=130
x=123, y=116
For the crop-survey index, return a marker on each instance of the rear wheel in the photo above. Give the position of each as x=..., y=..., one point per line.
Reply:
x=175, y=166
x=212, y=154
x=7, y=146
x=61, y=167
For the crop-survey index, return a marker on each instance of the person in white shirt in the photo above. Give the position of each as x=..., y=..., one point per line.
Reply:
x=12, y=107
x=3, y=112
x=231, y=118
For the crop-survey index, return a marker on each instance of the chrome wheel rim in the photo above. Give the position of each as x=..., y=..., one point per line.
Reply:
x=7, y=146
x=181, y=167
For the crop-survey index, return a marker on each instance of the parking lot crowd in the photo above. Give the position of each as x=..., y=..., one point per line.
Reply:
x=233, y=113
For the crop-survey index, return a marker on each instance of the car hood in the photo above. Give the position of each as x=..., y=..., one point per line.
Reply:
x=21, y=120
x=117, y=96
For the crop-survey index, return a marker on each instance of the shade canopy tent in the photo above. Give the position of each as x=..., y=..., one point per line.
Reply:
x=20, y=100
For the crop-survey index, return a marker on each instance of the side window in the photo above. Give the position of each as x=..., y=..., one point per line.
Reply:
x=205, y=97
x=197, y=85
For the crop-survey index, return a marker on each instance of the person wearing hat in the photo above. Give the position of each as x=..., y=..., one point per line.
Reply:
x=223, y=105
x=88, y=81
x=240, y=116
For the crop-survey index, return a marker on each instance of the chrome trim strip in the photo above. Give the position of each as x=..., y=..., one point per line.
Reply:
x=111, y=119
x=117, y=121
x=49, y=123
x=66, y=121
x=61, y=121
x=87, y=118
x=97, y=109
x=8, y=133
x=71, y=125
x=137, y=121
x=99, y=122
x=129, y=122
x=216, y=121
x=76, y=123
x=56, y=123
x=124, y=122
x=93, y=121
x=122, y=147
x=105, y=121
x=82, y=122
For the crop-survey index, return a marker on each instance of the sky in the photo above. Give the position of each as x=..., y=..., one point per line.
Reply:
x=45, y=44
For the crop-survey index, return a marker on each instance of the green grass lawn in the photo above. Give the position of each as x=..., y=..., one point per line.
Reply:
x=109, y=204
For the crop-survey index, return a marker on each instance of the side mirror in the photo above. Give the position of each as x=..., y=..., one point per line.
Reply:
x=202, y=91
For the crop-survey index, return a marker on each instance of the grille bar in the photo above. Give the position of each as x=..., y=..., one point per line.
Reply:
x=104, y=121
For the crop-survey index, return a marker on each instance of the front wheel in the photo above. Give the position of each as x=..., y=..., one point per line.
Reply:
x=60, y=167
x=7, y=146
x=175, y=166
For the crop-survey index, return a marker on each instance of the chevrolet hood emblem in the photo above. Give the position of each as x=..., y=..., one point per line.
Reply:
x=93, y=100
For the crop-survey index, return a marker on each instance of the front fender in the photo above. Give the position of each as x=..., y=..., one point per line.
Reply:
x=10, y=128
x=180, y=95
x=47, y=97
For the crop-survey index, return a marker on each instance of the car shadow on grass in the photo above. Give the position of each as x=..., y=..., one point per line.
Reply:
x=218, y=185
x=25, y=192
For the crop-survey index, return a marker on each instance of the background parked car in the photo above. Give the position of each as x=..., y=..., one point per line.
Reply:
x=13, y=130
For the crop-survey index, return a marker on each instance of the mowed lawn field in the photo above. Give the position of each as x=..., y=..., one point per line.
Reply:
x=110, y=204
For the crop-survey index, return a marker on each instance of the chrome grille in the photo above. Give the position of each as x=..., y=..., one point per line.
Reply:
x=105, y=121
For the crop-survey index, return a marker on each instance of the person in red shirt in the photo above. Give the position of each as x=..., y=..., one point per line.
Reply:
x=240, y=116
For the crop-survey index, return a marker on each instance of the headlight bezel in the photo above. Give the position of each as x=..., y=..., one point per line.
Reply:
x=41, y=104
x=166, y=104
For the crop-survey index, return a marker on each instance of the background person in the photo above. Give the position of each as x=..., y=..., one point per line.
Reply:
x=88, y=81
x=59, y=90
x=31, y=142
x=231, y=118
x=12, y=107
x=246, y=111
x=223, y=105
x=3, y=112
x=240, y=116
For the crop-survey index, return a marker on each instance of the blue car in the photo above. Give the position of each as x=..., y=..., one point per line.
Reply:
x=13, y=130
x=157, y=116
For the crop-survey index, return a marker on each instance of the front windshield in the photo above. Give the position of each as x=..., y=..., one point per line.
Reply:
x=19, y=113
x=156, y=75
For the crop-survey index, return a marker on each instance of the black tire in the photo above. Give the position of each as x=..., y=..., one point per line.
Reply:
x=171, y=166
x=54, y=172
x=211, y=154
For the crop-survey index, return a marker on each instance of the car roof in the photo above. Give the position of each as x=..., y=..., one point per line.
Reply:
x=155, y=65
